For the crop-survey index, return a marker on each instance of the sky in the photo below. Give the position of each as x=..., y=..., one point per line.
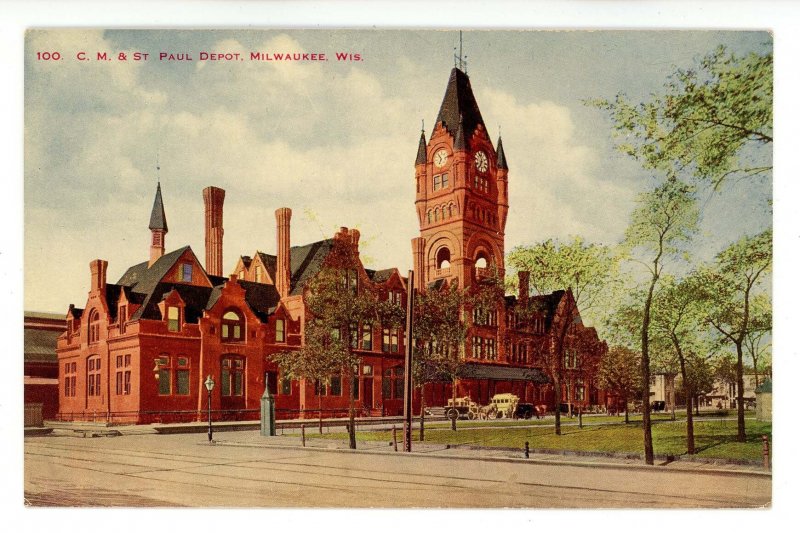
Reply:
x=335, y=141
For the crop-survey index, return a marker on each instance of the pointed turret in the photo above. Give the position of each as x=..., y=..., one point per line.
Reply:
x=458, y=143
x=422, y=151
x=158, y=227
x=501, y=155
x=158, y=219
x=459, y=104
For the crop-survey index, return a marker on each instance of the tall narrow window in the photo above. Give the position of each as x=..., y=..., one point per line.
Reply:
x=366, y=336
x=164, y=375
x=232, y=376
x=182, y=376
x=123, y=317
x=280, y=333
x=94, y=326
x=232, y=327
x=286, y=385
x=258, y=274
x=437, y=183
x=444, y=181
x=173, y=319
x=399, y=381
x=335, y=388
x=93, y=386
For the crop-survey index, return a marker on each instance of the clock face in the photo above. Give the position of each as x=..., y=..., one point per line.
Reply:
x=440, y=158
x=481, y=162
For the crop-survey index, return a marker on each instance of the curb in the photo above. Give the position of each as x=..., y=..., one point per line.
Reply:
x=513, y=460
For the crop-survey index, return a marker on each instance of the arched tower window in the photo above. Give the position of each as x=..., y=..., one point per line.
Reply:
x=481, y=262
x=232, y=327
x=443, y=258
x=94, y=326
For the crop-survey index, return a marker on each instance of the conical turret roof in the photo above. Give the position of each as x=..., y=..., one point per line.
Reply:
x=501, y=155
x=158, y=219
x=459, y=103
x=422, y=151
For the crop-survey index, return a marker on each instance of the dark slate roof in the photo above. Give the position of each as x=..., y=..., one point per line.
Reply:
x=193, y=296
x=501, y=155
x=505, y=373
x=261, y=298
x=270, y=263
x=217, y=280
x=422, y=151
x=459, y=102
x=306, y=262
x=436, y=285
x=112, y=299
x=143, y=279
x=40, y=344
x=76, y=312
x=382, y=275
x=158, y=219
x=459, y=143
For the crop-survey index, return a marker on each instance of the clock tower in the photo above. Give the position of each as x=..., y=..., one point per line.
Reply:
x=461, y=193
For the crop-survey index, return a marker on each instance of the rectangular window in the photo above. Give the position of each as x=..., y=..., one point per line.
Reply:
x=366, y=337
x=119, y=361
x=354, y=336
x=123, y=317
x=280, y=335
x=395, y=345
x=238, y=384
x=386, y=383
x=173, y=319
x=355, y=387
x=91, y=385
x=336, y=386
x=185, y=272
x=128, y=360
x=183, y=381
x=399, y=374
x=127, y=383
x=444, y=181
x=286, y=386
x=119, y=383
x=437, y=183
x=164, y=378
x=386, y=337
x=73, y=390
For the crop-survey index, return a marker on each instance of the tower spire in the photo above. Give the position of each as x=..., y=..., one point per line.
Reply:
x=158, y=227
x=459, y=59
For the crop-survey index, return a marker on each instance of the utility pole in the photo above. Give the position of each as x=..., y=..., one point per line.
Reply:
x=408, y=385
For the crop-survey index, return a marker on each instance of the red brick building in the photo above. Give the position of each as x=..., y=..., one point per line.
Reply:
x=41, y=332
x=141, y=348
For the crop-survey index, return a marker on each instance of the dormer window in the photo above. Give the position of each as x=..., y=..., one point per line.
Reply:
x=232, y=327
x=173, y=319
x=185, y=272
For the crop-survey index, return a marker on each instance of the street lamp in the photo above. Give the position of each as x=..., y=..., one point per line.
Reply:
x=210, y=386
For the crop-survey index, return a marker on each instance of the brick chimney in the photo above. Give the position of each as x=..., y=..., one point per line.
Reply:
x=98, y=268
x=524, y=286
x=283, y=269
x=213, y=198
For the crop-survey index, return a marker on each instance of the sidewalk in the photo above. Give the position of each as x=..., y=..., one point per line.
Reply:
x=551, y=457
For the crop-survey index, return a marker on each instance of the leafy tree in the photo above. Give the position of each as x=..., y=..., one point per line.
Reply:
x=664, y=220
x=584, y=268
x=677, y=322
x=756, y=342
x=729, y=289
x=712, y=120
x=619, y=373
x=338, y=300
x=439, y=332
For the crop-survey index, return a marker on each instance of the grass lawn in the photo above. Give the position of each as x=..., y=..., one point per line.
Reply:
x=713, y=438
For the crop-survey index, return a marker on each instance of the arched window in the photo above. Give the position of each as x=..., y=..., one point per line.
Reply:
x=443, y=258
x=436, y=215
x=481, y=262
x=450, y=211
x=94, y=326
x=430, y=217
x=232, y=327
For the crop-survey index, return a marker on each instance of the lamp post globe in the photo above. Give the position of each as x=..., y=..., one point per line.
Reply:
x=209, y=386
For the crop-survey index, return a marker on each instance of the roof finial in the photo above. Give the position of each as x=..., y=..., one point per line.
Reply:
x=158, y=169
x=423, y=125
x=460, y=60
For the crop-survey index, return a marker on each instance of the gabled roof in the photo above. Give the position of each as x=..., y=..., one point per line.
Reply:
x=459, y=103
x=381, y=276
x=306, y=262
x=270, y=262
x=193, y=296
x=143, y=279
x=158, y=219
x=261, y=298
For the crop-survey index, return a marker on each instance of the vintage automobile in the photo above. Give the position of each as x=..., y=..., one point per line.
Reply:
x=505, y=404
x=525, y=410
x=464, y=408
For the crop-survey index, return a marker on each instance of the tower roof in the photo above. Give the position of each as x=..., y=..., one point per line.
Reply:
x=158, y=219
x=422, y=151
x=459, y=101
x=501, y=155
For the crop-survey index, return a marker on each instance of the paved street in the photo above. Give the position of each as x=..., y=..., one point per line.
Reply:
x=243, y=470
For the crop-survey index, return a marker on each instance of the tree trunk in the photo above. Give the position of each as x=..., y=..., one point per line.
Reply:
x=557, y=389
x=422, y=413
x=646, y=424
x=319, y=406
x=626, y=409
x=454, y=418
x=352, y=425
x=689, y=396
x=740, y=435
